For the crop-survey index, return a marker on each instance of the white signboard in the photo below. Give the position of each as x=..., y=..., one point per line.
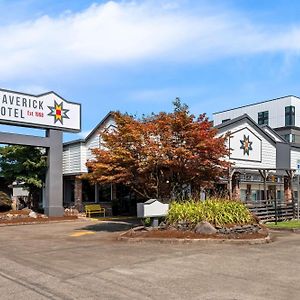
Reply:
x=152, y=208
x=44, y=111
x=245, y=145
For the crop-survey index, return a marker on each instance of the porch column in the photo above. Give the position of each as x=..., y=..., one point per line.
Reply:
x=236, y=192
x=96, y=193
x=113, y=192
x=229, y=186
x=288, y=186
x=287, y=189
x=78, y=194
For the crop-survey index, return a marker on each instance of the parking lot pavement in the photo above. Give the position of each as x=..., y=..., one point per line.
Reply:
x=83, y=260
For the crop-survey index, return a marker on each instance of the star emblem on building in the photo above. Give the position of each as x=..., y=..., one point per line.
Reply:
x=246, y=145
x=58, y=112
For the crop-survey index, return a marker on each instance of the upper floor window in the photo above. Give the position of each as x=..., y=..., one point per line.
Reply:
x=263, y=118
x=289, y=115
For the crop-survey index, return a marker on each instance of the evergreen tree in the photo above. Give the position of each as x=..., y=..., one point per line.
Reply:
x=24, y=164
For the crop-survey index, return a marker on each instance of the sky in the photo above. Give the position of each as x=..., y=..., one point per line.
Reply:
x=138, y=56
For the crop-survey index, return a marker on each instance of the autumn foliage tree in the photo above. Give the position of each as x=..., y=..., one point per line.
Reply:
x=161, y=155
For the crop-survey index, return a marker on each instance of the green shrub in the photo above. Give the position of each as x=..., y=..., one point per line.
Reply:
x=147, y=221
x=5, y=202
x=216, y=211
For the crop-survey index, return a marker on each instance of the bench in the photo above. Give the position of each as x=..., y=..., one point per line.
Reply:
x=94, y=209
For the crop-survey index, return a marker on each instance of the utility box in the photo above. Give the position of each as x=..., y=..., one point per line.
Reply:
x=152, y=208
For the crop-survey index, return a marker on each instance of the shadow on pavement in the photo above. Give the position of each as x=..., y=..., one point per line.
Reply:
x=113, y=226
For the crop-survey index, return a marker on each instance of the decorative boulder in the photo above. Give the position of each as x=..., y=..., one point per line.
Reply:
x=205, y=228
x=32, y=214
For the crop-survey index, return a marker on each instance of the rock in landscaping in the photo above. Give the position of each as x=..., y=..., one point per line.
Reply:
x=251, y=228
x=9, y=216
x=205, y=228
x=163, y=225
x=32, y=214
x=71, y=212
x=183, y=225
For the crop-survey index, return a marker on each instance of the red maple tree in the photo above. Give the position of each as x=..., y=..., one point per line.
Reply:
x=163, y=155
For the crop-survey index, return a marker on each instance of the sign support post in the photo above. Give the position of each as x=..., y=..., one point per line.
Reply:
x=54, y=176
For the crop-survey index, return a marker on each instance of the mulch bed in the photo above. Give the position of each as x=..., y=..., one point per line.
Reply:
x=22, y=217
x=37, y=220
x=178, y=234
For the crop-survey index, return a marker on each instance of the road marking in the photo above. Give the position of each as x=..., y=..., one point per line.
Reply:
x=81, y=233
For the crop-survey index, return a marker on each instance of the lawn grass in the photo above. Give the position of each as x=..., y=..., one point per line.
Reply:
x=293, y=224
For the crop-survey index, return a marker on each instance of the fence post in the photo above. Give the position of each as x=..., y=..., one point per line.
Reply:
x=298, y=208
x=276, y=219
x=298, y=177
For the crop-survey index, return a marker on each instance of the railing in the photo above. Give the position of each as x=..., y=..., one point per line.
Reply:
x=274, y=209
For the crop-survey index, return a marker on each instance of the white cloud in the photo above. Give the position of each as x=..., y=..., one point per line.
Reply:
x=131, y=32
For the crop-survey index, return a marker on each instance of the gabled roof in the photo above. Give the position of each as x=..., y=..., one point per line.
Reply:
x=110, y=114
x=246, y=117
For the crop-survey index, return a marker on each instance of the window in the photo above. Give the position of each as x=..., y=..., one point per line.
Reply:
x=289, y=115
x=287, y=137
x=223, y=121
x=293, y=138
x=263, y=118
x=290, y=138
x=278, y=195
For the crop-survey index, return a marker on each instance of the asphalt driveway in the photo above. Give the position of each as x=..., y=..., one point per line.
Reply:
x=83, y=260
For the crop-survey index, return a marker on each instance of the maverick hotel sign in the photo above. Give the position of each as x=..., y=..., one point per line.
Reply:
x=44, y=111
x=52, y=113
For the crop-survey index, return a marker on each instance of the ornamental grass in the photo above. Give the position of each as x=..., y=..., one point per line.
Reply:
x=218, y=212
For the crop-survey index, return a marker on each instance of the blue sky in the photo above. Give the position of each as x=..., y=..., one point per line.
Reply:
x=137, y=56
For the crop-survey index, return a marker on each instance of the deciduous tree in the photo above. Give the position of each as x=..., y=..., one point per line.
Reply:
x=162, y=155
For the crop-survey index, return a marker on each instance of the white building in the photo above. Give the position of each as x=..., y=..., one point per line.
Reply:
x=264, y=151
x=264, y=142
x=76, y=191
x=281, y=114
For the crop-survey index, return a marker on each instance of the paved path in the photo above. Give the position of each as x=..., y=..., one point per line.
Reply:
x=83, y=260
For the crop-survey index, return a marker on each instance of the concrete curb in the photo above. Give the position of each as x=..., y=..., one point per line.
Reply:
x=265, y=240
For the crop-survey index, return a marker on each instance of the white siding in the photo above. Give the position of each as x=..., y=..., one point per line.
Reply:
x=83, y=158
x=76, y=155
x=93, y=142
x=72, y=159
x=275, y=107
x=295, y=156
x=268, y=157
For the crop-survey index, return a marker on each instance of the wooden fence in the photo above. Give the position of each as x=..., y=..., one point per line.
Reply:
x=274, y=209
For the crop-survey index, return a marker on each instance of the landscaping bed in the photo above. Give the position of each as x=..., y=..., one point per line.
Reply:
x=27, y=216
x=213, y=219
x=173, y=233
